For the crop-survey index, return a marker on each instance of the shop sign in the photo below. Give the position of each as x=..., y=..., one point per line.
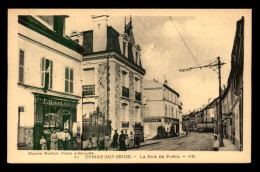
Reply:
x=125, y=124
x=44, y=100
x=152, y=120
x=173, y=121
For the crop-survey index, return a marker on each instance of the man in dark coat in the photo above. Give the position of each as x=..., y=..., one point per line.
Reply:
x=122, y=138
x=115, y=139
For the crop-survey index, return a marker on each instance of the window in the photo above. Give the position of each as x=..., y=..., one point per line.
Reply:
x=125, y=79
x=46, y=73
x=68, y=80
x=136, y=54
x=172, y=113
x=21, y=66
x=124, y=48
x=165, y=110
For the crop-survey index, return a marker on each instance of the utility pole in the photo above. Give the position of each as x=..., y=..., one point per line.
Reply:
x=211, y=65
x=221, y=144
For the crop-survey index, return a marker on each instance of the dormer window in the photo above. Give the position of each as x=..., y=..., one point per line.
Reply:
x=137, y=58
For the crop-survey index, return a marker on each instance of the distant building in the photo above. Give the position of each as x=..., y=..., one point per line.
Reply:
x=45, y=80
x=162, y=110
x=207, y=117
x=112, y=80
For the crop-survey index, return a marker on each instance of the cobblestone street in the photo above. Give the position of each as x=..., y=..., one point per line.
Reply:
x=192, y=142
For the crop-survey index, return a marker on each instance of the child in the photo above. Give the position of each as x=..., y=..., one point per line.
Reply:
x=216, y=143
x=43, y=143
x=89, y=144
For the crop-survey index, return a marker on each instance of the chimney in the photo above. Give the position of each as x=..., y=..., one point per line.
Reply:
x=165, y=82
x=59, y=24
x=99, y=32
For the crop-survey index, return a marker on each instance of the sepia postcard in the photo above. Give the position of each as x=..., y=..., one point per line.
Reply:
x=129, y=85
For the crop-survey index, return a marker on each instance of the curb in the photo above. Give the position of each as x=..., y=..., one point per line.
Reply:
x=144, y=145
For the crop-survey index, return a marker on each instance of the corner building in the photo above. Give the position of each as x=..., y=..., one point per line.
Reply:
x=112, y=80
x=163, y=110
x=45, y=81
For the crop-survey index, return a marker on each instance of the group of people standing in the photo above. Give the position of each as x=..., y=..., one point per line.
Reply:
x=56, y=140
x=125, y=141
x=100, y=143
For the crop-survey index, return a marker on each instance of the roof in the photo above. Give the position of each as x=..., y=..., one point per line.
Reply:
x=112, y=45
x=156, y=84
x=209, y=106
x=33, y=24
x=112, y=41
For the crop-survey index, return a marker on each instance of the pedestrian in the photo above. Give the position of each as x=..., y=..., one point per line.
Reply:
x=48, y=139
x=137, y=140
x=107, y=141
x=131, y=139
x=216, y=143
x=54, y=141
x=126, y=139
x=122, y=138
x=94, y=142
x=66, y=143
x=61, y=139
x=89, y=144
x=85, y=144
x=115, y=139
x=101, y=142
x=43, y=143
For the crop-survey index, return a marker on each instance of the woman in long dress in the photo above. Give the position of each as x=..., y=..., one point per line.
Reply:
x=126, y=139
x=43, y=143
x=107, y=141
x=94, y=142
x=101, y=142
x=54, y=141
x=122, y=141
x=66, y=143
x=89, y=144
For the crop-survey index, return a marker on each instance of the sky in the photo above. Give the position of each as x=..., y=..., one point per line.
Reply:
x=208, y=34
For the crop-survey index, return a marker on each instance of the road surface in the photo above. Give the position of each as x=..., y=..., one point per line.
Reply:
x=192, y=142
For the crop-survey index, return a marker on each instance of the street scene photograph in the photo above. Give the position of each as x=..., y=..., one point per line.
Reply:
x=85, y=81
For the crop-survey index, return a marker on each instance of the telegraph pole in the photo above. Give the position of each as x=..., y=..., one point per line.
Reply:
x=221, y=144
x=217, y=64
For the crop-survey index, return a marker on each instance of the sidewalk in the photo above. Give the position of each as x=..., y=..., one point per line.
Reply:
x=228, y=146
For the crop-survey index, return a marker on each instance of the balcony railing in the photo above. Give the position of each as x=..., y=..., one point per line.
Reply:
x=88, y=90
x=137, y=96
x=125, y=92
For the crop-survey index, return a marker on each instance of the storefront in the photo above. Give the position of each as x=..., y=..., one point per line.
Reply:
x=53, y=113
x=160, y=127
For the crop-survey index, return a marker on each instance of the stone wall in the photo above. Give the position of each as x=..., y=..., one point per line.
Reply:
x=102, y=88
x=132, y=97
x=118, y=91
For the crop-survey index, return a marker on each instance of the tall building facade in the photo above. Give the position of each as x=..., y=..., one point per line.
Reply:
x=112, y=80
x=163, y=110
x=44, y=80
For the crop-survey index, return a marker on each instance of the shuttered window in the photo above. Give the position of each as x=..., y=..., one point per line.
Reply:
x=21, y=66
x=69, y=77
x=46, y=73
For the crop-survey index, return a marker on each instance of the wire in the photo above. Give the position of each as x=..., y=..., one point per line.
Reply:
x=152, y=35
x=184, y=41
x=189, y=51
